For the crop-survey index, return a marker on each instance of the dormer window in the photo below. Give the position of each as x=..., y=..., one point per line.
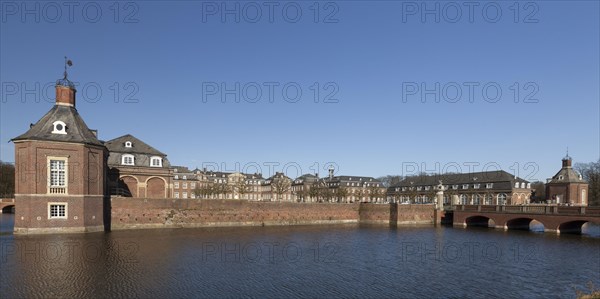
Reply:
x=59, y=127
x=127, y=160
x=156, y=162
x=489, y=185
x=127, y=143
x=560, y=177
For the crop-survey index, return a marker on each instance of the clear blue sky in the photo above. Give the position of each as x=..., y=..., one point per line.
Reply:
x=374, y=55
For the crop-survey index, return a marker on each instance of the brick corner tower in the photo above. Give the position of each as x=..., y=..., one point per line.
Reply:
x=60, y=171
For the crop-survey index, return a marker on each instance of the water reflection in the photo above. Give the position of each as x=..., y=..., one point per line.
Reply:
x=309, y=261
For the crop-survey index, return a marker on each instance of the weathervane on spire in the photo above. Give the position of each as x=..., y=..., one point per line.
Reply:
x=68, y=62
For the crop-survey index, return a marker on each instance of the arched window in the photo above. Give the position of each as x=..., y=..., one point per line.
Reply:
x=128, y=160
x=477, y=199
x=463, y=199
x=488, y=199
x=502, y=199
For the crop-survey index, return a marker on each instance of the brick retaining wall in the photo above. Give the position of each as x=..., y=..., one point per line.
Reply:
x=134, y=213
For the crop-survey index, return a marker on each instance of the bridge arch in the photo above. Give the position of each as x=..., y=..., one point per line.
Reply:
x=8, y=209
x=479, y=221
x=574, y=226
x=525, y=223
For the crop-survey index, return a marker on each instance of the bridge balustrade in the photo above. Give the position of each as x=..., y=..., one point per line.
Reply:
x=531, y=209
x=592, y=211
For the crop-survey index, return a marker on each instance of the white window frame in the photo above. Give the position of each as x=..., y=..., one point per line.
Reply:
x=156, y=158
x=489, y=185
x=125, y=156
x=184, y=185
x=57, y=189
x=176, y=194
x=465, y=186
x=128, y=144
x=57, y=131
x=66, y=210
x=176, y=185
x=192, y=185
x=184, y=195
x=476, y=186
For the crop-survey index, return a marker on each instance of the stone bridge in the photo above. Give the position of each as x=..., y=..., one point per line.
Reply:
x=7, y=205
x=559, y=219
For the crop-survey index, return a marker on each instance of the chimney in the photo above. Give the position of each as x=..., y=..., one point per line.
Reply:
x=566, y=162
x=65, y=89
x=65, y=93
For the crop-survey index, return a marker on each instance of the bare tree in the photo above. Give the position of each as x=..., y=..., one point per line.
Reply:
x=242, y=188
x=591, y=173
x=373, y=193
x=7, y=180
x=222, y=188
x=390, y=180
x=359, y=194
x=327, y=194
x=342, y=194
x=280, y=186
x=314, y=192
x=538, y=192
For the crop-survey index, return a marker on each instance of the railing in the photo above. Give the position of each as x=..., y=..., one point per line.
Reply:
x=58, y=190
x=531, y=209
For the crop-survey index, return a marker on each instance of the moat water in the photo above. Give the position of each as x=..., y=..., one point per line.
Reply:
x=302, y=261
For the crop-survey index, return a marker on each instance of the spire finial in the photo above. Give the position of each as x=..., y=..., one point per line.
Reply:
x=68, y=62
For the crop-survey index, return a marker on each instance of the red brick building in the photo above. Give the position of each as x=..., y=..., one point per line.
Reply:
x=136, y=169
x=567, y=186
x=60, y=171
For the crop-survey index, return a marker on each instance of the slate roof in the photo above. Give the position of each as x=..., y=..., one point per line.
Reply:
x=568, y=174
x=137, y=146
x=311, y=178
x=77, y=130
x=181, y=169
x=461, y=178
x=353, y=179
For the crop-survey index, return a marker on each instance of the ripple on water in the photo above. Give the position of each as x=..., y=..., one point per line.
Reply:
x=299, y=262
